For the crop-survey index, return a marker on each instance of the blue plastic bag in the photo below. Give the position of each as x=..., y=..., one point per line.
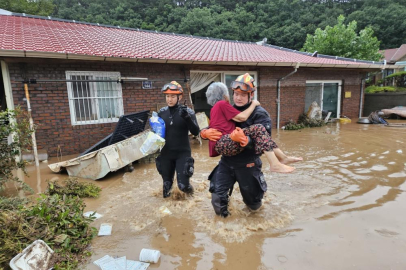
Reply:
x=157, y=124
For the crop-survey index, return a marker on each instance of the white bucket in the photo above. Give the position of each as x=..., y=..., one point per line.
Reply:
x=149, y=255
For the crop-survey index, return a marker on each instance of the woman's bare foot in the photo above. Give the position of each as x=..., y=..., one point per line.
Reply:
x=289, y=160
x=282, y=168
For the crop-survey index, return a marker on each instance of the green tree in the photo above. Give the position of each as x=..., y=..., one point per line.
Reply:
x=343, y=40
x=199, y=21
x=386, y=18
x=38, y=7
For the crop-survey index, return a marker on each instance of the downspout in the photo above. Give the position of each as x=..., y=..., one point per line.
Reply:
x=278, y=85
x=361, y=97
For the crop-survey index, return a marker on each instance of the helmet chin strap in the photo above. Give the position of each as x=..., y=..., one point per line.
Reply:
x=249, y=98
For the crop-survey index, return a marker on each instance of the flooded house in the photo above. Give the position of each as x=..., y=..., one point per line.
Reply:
x=81, y=76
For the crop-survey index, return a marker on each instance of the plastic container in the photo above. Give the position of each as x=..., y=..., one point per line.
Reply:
x=157, y=124
x=34, y=257
x=344, y=120
x=149, y=255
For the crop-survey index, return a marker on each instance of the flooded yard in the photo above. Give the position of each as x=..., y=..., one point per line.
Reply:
x=342, y=208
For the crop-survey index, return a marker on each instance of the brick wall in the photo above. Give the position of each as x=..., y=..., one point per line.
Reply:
x=50, y=106
x=49, y=101
x=293, y=90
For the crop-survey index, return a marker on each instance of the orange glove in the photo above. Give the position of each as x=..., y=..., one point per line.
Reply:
x=238, y=136
x=212, y=134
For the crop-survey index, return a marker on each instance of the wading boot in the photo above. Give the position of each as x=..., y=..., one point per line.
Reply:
x=167, y=189
x=189, y=190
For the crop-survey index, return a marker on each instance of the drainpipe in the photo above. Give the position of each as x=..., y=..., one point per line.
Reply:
x=278, y=85
x=361, y=97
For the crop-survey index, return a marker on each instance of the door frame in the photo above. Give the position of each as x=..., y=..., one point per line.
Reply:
x=339, y=82
x=223, y=74
x=7, y=85
x=8, y=93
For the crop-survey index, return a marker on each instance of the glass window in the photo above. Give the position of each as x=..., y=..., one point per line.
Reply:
x=326, y=94
x=92, y=101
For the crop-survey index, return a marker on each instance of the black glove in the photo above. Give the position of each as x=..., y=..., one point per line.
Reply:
x=183, y=112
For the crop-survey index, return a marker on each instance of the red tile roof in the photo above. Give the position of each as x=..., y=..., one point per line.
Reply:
x=388, y=53
x=39, y=34
x=398, y=54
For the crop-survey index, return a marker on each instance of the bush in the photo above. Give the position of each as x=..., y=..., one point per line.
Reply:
x=303, y=122
x=11, y=203
x=57, y=220
x=14, y=123
x=379, y=82
x=379, y=89
x=73, y=187
x=399, y=77
x=293, y=126
x=307, y=122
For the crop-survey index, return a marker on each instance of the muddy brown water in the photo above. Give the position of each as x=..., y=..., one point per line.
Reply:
x=343, y=208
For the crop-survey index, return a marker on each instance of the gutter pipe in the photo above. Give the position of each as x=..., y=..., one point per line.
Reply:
x=361, y=97
x=278, y=100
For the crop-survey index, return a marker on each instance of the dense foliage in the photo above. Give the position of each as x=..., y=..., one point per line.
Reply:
x=303, y=122
x=57, y=220
x=379, y=89
x=283, y=22
x=37, y=7
x=13, y=123
x=73, y=187
x=398, y=79
x=395, y=82
x=343, y=40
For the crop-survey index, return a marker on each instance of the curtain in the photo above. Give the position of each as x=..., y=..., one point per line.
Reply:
x=198, y=81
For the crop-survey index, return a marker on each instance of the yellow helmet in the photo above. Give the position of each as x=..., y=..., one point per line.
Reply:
x=244, y=83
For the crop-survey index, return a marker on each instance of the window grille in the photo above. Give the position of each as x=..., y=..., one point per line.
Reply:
x=94, y=102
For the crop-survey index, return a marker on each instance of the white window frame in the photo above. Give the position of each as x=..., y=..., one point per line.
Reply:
x=95, y=99
x=339, y=82
x=231, y=72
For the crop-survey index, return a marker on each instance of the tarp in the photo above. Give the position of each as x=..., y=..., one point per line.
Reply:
x=399, y=110
x=97, y=164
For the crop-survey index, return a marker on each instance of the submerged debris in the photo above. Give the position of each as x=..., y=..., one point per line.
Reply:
x=303, y=122
x=57, y=220
x=73, y=187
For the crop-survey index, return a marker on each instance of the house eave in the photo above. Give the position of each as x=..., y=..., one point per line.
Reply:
x=53, y=55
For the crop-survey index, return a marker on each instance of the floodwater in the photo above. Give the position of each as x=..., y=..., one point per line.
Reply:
x=343, y=208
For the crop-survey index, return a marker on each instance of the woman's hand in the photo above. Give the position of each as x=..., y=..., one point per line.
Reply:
x=256, y=103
